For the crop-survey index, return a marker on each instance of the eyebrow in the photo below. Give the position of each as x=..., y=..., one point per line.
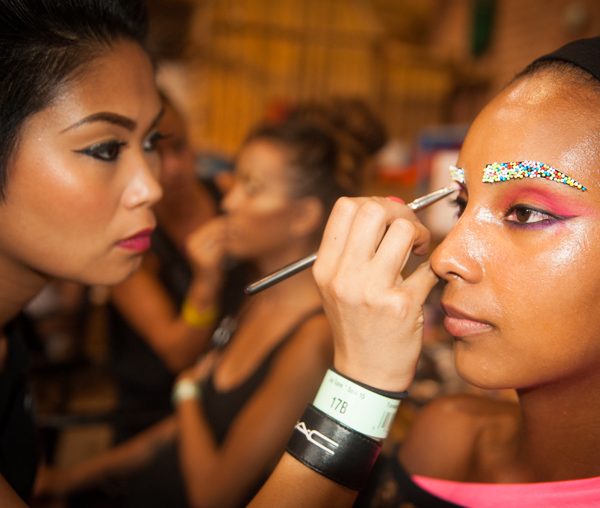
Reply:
x=107, y=117
x=457, y=174
x=504, y=171
x=114, y=119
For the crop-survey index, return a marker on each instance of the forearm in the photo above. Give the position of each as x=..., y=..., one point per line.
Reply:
x=121, y=459
x=8, y=497
x=181, y=344
x=294, y=485
x=198, y=453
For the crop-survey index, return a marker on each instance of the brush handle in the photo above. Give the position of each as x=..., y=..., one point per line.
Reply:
x=306, y=262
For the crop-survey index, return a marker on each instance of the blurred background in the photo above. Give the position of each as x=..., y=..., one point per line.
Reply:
x=420, y=64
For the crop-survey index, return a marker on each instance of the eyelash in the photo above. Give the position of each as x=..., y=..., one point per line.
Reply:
x=548, y=220
x=109, y=151
x=461, y=203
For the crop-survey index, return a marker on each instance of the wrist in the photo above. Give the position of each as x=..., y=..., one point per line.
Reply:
x=339, y=435
x=199, y=317
x=185, y=389
x=390, y=379
x=359, y=407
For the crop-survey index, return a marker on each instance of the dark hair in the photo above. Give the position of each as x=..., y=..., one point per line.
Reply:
x=358, y=128
x=43, y=43
x=578, y=61
x=567, y=70
x=317, y=161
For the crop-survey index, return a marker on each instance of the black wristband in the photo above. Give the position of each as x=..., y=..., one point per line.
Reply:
x=332, y=449
x=385, y=393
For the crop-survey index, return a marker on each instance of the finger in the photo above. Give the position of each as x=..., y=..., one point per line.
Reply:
x=369, y=226
x=420, y=283
x=393, y=251
x=334, y=237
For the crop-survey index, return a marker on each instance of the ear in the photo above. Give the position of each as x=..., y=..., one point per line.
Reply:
x=308, y=216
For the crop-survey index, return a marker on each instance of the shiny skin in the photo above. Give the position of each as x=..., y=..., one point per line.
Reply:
x=66, y=207
x=532, y=276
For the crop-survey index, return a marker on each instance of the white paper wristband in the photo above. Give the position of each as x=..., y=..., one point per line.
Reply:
x=355, y=406
x=185, y=389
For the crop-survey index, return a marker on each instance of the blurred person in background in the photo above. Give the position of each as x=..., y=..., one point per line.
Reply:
x=235, y=409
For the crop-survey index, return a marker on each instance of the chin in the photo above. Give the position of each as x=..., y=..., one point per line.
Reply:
x=113, y=275
x=485, y=375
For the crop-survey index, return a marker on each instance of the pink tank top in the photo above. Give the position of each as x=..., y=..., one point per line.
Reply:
x=583, y=493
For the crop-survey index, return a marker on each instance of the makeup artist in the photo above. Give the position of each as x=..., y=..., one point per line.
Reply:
x=521, y=286
x=78, y=167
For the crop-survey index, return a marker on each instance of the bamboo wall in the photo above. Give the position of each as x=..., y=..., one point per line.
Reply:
x=245, y=58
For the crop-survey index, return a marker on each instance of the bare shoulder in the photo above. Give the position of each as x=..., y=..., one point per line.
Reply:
x=308, y=353
x=445, y=437
x=314, y=336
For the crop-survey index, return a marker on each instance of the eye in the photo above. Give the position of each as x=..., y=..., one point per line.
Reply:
x=522, y=214
x=151, y=142
x=251, y=185
x=107, y=151
x=460, y=203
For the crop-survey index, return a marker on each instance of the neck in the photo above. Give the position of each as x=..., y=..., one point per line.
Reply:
x=275, y=260
x=18, y=285
x=295, y=288
x=297, y=292
x=560, y=438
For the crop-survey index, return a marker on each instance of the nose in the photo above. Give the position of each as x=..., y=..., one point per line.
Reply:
x=232, y=198
x=459, y=254
x=143, y=188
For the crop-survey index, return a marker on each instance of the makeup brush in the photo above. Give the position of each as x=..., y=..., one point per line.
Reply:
x=306, y=262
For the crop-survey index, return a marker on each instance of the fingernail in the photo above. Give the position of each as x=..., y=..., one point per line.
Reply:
x=396, y=199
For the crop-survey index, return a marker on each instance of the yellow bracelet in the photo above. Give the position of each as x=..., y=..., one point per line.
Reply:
x=198, y=319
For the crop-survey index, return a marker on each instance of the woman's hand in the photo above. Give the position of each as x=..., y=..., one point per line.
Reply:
x=205, y=246
x=376, y=315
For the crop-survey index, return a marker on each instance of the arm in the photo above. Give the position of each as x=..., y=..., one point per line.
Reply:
x=8, y=498
x=116, y=461
x=149, y=309
x=375, y=315
x=221, y=476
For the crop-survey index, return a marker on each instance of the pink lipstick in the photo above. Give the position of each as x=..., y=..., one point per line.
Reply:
x=139, y=242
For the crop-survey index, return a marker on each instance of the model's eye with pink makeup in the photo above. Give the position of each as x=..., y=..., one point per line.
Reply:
x=523, y=215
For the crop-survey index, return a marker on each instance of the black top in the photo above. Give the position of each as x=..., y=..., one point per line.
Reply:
x=222, y=407
x=160, y=483
x=18, y=447
x=390, y=486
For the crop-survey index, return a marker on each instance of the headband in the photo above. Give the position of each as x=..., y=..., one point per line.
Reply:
x=584, y=53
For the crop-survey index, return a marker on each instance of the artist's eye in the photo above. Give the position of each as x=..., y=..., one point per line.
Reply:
x=460, y=203
x=151, y=142
x=107, y=151
x=523, y=214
